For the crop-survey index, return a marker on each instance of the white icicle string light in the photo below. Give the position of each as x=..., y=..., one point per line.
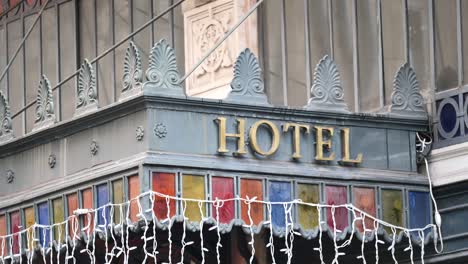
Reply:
x=248, y=202
x=271, y=241
x=93, y=229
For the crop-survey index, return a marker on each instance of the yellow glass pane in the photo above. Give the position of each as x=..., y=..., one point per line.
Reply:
x=118, y=197
x=392, y=205
x=59, y=217
x=30, y=220
x=308, y=215
x=193, y=187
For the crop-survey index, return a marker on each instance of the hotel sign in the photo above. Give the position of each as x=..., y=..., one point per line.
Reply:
x=298, y=132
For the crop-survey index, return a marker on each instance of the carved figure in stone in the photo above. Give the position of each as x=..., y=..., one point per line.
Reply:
x=162, y=74
x=133, y=73
x=86, y=91
x=406, y=97
x=6, y=128
x=327, y=92
x=44, y=103
x=247, y=85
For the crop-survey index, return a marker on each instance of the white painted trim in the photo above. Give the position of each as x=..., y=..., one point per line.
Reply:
x=449, y=165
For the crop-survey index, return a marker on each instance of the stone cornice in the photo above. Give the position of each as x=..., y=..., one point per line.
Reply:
x=190, y=104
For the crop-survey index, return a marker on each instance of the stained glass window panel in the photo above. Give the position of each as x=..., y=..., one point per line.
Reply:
x=29, y=221
x=59, y=216
x=87, y=202
x=72, y=202
x=223, y=188
x=337, y=195
x=102, y=198
x=392, y=207
x=15, y=223
x=117, y=198
x=43, y=216
x=308, y=216
x=193, y=187
x=279, y=192
x=419, y=209
x=164, y=183
x=364, y=199
x=133, y=192
x=252, y=188
x=3, y=231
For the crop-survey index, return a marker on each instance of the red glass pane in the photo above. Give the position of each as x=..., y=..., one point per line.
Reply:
x=337, y=195
x=364, y=199
x=223, y=188
x=87, y=201
x=252, y=188
x=15, y=221
x=133, y=192
x=3, y=231
x=164, y=183
x=72, y=202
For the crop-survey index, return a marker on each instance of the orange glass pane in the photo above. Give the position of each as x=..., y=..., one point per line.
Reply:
x=364, y=199
x=3, y=232
x=30, y=220
x=223, y=188
x=252, y=188
x=133, y=192
x=87, y=199
x=164, y=183
x=194, y=187
x=72, y=202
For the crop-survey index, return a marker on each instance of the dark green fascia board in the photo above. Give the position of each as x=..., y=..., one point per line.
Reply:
x=201, y=105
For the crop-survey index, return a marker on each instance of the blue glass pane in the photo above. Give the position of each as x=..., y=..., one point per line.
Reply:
x=102, y=198
x=419, y=209
x=279, y=192
x=448, y=117
x=44, y=234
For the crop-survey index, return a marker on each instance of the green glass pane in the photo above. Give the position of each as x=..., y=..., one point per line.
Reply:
x=308, y=215
x=58, y=206
x=193, y=187
x=118, y=197
x=392, y=205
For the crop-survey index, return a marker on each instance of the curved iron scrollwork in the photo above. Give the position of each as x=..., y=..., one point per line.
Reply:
x=327, y=92
x=247, y=86
x=6, y=128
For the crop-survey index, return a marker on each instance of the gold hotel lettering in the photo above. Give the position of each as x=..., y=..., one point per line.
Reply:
x=323, y=139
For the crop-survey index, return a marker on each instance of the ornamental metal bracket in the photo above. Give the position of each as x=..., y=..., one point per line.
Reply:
x=45, y=113
x=327, y=94
x=86, y=92
x=407, y=101
x=163, y=75
x=133, y=73
x=6, y=127
x=247, y=87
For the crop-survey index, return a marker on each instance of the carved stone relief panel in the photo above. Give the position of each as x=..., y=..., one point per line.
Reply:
x=205, y=26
